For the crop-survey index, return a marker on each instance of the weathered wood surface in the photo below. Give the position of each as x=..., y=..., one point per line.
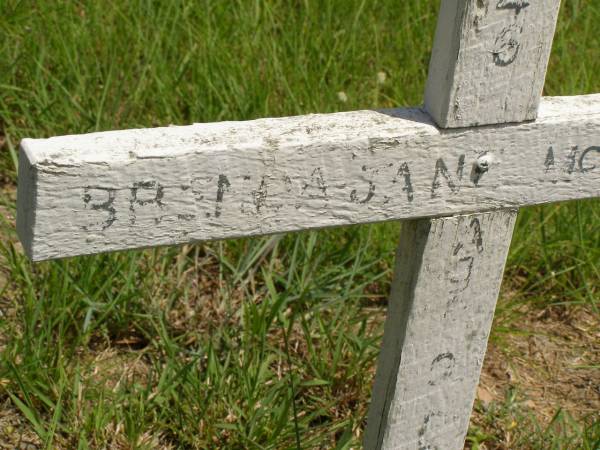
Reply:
x=487, y=67
x=448, y=273
x=124, y=189
x=489, y=61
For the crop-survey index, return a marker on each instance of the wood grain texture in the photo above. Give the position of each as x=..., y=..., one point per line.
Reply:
x=489, y=61
x=125, y=189
x=448, y=273
x=487, y=67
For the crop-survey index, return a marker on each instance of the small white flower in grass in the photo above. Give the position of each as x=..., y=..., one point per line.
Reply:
x=381, y=77
x=342, y=97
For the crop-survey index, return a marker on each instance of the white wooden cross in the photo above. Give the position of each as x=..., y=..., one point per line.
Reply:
x=483, y=145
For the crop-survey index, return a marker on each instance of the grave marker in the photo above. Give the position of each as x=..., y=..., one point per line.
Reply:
x=459, y=187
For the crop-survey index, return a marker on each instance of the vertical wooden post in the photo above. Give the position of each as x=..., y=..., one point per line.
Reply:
x=489, y=61
x=440, y=312
x=488, y=66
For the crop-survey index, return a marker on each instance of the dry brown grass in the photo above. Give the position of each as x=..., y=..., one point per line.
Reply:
x=553, y=358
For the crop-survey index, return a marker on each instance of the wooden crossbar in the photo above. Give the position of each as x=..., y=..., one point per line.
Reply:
x=136, y=188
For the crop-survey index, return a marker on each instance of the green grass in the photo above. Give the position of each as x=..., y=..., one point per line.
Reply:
x=255, y=343
x=520, y=428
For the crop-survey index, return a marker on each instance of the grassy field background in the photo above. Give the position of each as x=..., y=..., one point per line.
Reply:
x=263, y=343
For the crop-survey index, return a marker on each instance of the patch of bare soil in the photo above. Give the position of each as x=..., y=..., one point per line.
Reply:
x=552, y=357
x=15, y=430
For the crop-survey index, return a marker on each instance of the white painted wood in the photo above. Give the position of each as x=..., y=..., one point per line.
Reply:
x=448, y=272
x=489, y=61
x=116, y=190
x=487, y=67
x=125, y=189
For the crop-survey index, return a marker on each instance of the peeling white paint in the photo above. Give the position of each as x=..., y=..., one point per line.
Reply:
x=448, y=273
x=489, y=61
x=449, y=270
x=135, y=188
